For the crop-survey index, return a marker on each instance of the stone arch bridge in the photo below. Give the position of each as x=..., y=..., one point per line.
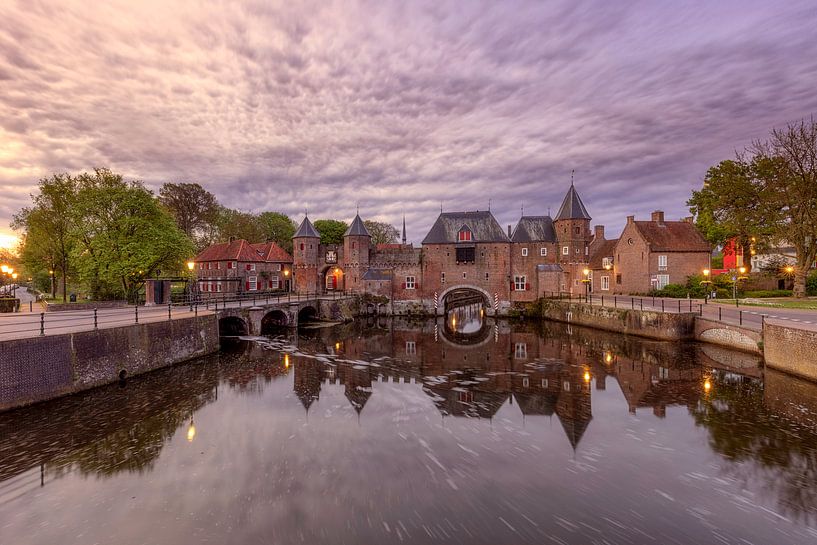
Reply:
x=262, y=318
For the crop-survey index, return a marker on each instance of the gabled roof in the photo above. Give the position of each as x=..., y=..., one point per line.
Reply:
x=306, y=229
x=270, y=251
x=672, y=236
x=572, y=207
x=377, y=274
x=534, y=229
x=483, y=226
x=357, y=228
x=237, y=250
x=600, y=250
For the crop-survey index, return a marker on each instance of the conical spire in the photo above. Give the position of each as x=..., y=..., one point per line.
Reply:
x=357, y=228
x=306, y=229
x=404, y=229
x=572, y=206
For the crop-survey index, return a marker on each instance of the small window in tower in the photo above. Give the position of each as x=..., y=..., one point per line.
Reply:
x=543, y=252
x=578, y=230
x=565, y=250
x=524, y=252
x=464, y=234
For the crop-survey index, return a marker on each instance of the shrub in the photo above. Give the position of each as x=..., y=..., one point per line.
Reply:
x=760, y=294
x=723, y=293
x=811, y=283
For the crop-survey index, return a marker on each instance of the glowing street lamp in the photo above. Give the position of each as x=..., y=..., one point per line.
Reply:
x=191, y=265
x=586, y=282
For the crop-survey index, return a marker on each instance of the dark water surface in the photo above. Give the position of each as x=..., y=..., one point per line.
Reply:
x=408, y=433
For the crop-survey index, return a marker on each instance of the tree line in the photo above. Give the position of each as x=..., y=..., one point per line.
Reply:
x=765, y=197
x=108, y=235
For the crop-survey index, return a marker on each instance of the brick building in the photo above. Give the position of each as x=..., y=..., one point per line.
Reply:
x=648, y=255
x=238, y=266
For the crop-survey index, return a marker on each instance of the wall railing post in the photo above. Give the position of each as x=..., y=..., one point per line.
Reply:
x=136, y=313
x=740, y=317
x=662, y=305
x=95, y=320
x=42, y=323
x=169, y=316
x=720, y=314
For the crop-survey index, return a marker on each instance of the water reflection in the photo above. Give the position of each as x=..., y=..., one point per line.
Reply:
x=403, y=421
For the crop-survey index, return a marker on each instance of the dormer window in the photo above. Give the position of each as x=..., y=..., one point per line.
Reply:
x=464, y=234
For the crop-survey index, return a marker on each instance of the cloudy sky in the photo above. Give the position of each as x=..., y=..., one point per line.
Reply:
x=400, y=106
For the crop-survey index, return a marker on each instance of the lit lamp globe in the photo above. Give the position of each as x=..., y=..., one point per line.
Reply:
x=4, y=268
x=191, y=265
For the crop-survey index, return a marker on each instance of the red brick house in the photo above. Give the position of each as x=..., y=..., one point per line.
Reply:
x=651, y=254
x=239, y=266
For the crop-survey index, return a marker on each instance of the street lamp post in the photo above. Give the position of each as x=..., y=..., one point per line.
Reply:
x=735, y=279
x=705, y=283
x=586, y=281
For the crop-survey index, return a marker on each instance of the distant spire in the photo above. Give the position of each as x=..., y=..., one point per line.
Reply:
x=489, y=205
x=357, y=208
x=572, y=172
x=404, y=229
x=523, y=209
x=441, y=207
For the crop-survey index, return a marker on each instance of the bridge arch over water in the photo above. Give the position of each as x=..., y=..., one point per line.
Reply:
x=232, y=326
x=273, y=320
x=464, y=294
x=307, y=314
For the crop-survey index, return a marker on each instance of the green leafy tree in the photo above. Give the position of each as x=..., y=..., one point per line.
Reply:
x=194, y=208
x=382, y=233
x=728, y=207
x=279, y=228
x=49, y=235
x=331, y=231
x=237, y=224
x=788, y=176
x=124, y=235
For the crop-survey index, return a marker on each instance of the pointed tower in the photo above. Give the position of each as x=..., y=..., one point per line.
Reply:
x=572, y=226
x=305, y=251
x=357, y=244
x=404, y=229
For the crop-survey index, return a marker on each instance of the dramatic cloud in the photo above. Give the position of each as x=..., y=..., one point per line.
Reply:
x=400, y=106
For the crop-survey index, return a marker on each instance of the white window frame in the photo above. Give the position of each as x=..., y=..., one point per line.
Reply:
x=525, y=382
x=662, y=263
x=411, y=282
x=411, y=347
x=663, y=280
x=276, y=282
x=605, y=262
x=253, y=280
x=543, y=252
x=235, y=265
x=519, y=282
x=544, y=383
x=605, y=283
x=442, y=278
x=277, y=267
x=565, y=386
x=524, y=252
x=218, y=287
x=565, y=250
x=252, y=267
x=520, y=351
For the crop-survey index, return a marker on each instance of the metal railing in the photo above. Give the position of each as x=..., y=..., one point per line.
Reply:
x=701, y=307
x=22, y=325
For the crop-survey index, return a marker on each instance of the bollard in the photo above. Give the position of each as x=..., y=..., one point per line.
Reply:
x=615, y=302
x=679, y=306
x=136, y=308
x=632, y=303
x=662, y=305
x=169, y=316
x=690, y=305
x=196, y=309
x=42, y=323
x=31, y=306
x=700, y=310
x=720, y=314
x=762, y=321
x=642, y=303
x=740, y=317
x=95, y=320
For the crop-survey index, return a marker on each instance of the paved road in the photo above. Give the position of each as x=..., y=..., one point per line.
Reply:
x=24, y=325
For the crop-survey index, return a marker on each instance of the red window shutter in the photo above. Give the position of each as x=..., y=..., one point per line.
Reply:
x=416, y=286
x=229, y=264
x=403, y=285
x=527, y=285
x=248, y=285
x=512, y=285
x=248, y=266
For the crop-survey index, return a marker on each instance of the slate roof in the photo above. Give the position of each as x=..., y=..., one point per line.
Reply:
x=306, y=229
x=534, y=229
x=483, y=226
x=572, y=207
x=549, y=267
x=271, y=252
x=605, y=248
x=357, y=228
x=672, y=236
x=237, y=250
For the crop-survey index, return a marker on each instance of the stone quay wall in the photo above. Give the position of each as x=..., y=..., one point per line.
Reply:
x=790, y=349
x=642, y=323
x=42, y=368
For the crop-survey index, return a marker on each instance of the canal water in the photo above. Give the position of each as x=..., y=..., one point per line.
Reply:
x=461, y=430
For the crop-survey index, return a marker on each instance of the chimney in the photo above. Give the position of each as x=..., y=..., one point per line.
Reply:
x=658, y=217
x=630, y=219
x=232, y=239
x=598, y=232
x=509, y=231
x=687, y=219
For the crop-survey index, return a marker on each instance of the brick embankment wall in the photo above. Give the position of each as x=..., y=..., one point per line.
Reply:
x=643, y=323
x=790, y=349
x=56, y=307
x=740, y=338
x=41, y=368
